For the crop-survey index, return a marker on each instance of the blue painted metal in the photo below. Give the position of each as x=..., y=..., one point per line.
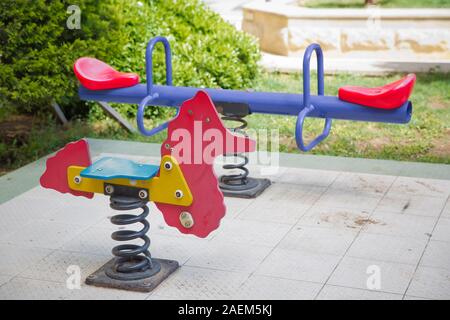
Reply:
x=151, y=95
x=149, y=62
x=111, y=168
x=308, y=107
x=258, y=102
x=318, y=106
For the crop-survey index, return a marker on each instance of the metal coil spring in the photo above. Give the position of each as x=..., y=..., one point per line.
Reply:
x=131, y=258
x=240, y=178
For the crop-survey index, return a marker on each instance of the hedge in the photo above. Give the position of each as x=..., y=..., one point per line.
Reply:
x=37, y=50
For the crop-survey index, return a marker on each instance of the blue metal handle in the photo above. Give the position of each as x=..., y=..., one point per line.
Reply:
x=149, y=62
x=150, y=95
x=140, y=117
x=299, y=130
x=307, y=106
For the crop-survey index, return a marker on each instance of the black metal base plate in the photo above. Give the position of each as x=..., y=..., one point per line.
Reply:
x=252, y=189
x=100, y=279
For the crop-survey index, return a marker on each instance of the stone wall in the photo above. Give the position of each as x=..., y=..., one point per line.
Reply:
x=387, y=33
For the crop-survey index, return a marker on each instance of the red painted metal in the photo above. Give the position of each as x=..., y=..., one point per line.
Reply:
x=208, y=207
x=390, y=96
x=97, y=75
x=55, y=175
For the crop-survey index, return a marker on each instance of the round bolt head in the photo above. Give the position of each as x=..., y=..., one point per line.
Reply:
x=143, y=194
x=168, y=165
x=109, y=189
x=186, y=219
x=178, y=194
x=77, y=179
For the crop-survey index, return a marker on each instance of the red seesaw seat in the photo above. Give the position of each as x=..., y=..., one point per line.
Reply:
x=390, y=96
x=97, y=75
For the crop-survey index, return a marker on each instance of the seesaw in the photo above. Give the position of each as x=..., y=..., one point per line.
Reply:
x=389, y=103
x=186, y=192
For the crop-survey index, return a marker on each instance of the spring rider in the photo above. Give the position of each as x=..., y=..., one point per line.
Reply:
x=183, y=187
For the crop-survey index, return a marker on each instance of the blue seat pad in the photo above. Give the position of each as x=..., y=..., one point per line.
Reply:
x=112, y=168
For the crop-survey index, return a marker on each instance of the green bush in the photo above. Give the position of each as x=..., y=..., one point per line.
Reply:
x=37, y=50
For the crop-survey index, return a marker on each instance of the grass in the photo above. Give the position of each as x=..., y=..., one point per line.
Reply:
x=381, y=3
x=426, y=138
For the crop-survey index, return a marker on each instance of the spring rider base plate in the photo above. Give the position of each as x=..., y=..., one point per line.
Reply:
x=253, y=188
x=100, y=279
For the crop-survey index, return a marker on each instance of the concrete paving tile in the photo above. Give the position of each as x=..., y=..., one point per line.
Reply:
x=335, y=218
x=136, y=158
x=359, y=273
x=199, y=283
x=257, y=168
x=268, y=288
x=283, y=245
x=86, y=214
x=363, y=183
x=412, y=204
x=59, y=266
x=251, y=233
x=229, y=257
x=318, y=240
x=414, y=298
x=298, y=265
x=15, y=259
x=95, y=293
x=432, y=283
x=4, y=279
x=446, y=210
x=319, y=178
x=44, y=234
x=20, y=211
x=349, y=199
x=421, y=186
x=94, y=240
x=180, y=249
x=342, y=293
x=44, y=198
x=235, y=206
x=388, y=248
x=272, y=171
x=282, y=203
x=437, y=254
x=442, y=230
x=29, y=289
x=400, y=225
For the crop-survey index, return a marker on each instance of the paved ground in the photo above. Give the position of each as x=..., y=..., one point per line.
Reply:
x=314, y=234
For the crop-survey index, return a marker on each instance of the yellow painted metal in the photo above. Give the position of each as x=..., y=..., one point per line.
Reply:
x=169, y=187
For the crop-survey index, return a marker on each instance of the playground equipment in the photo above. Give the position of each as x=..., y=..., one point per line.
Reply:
x=100, y=82
x=183, y=186
x=185, y=191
